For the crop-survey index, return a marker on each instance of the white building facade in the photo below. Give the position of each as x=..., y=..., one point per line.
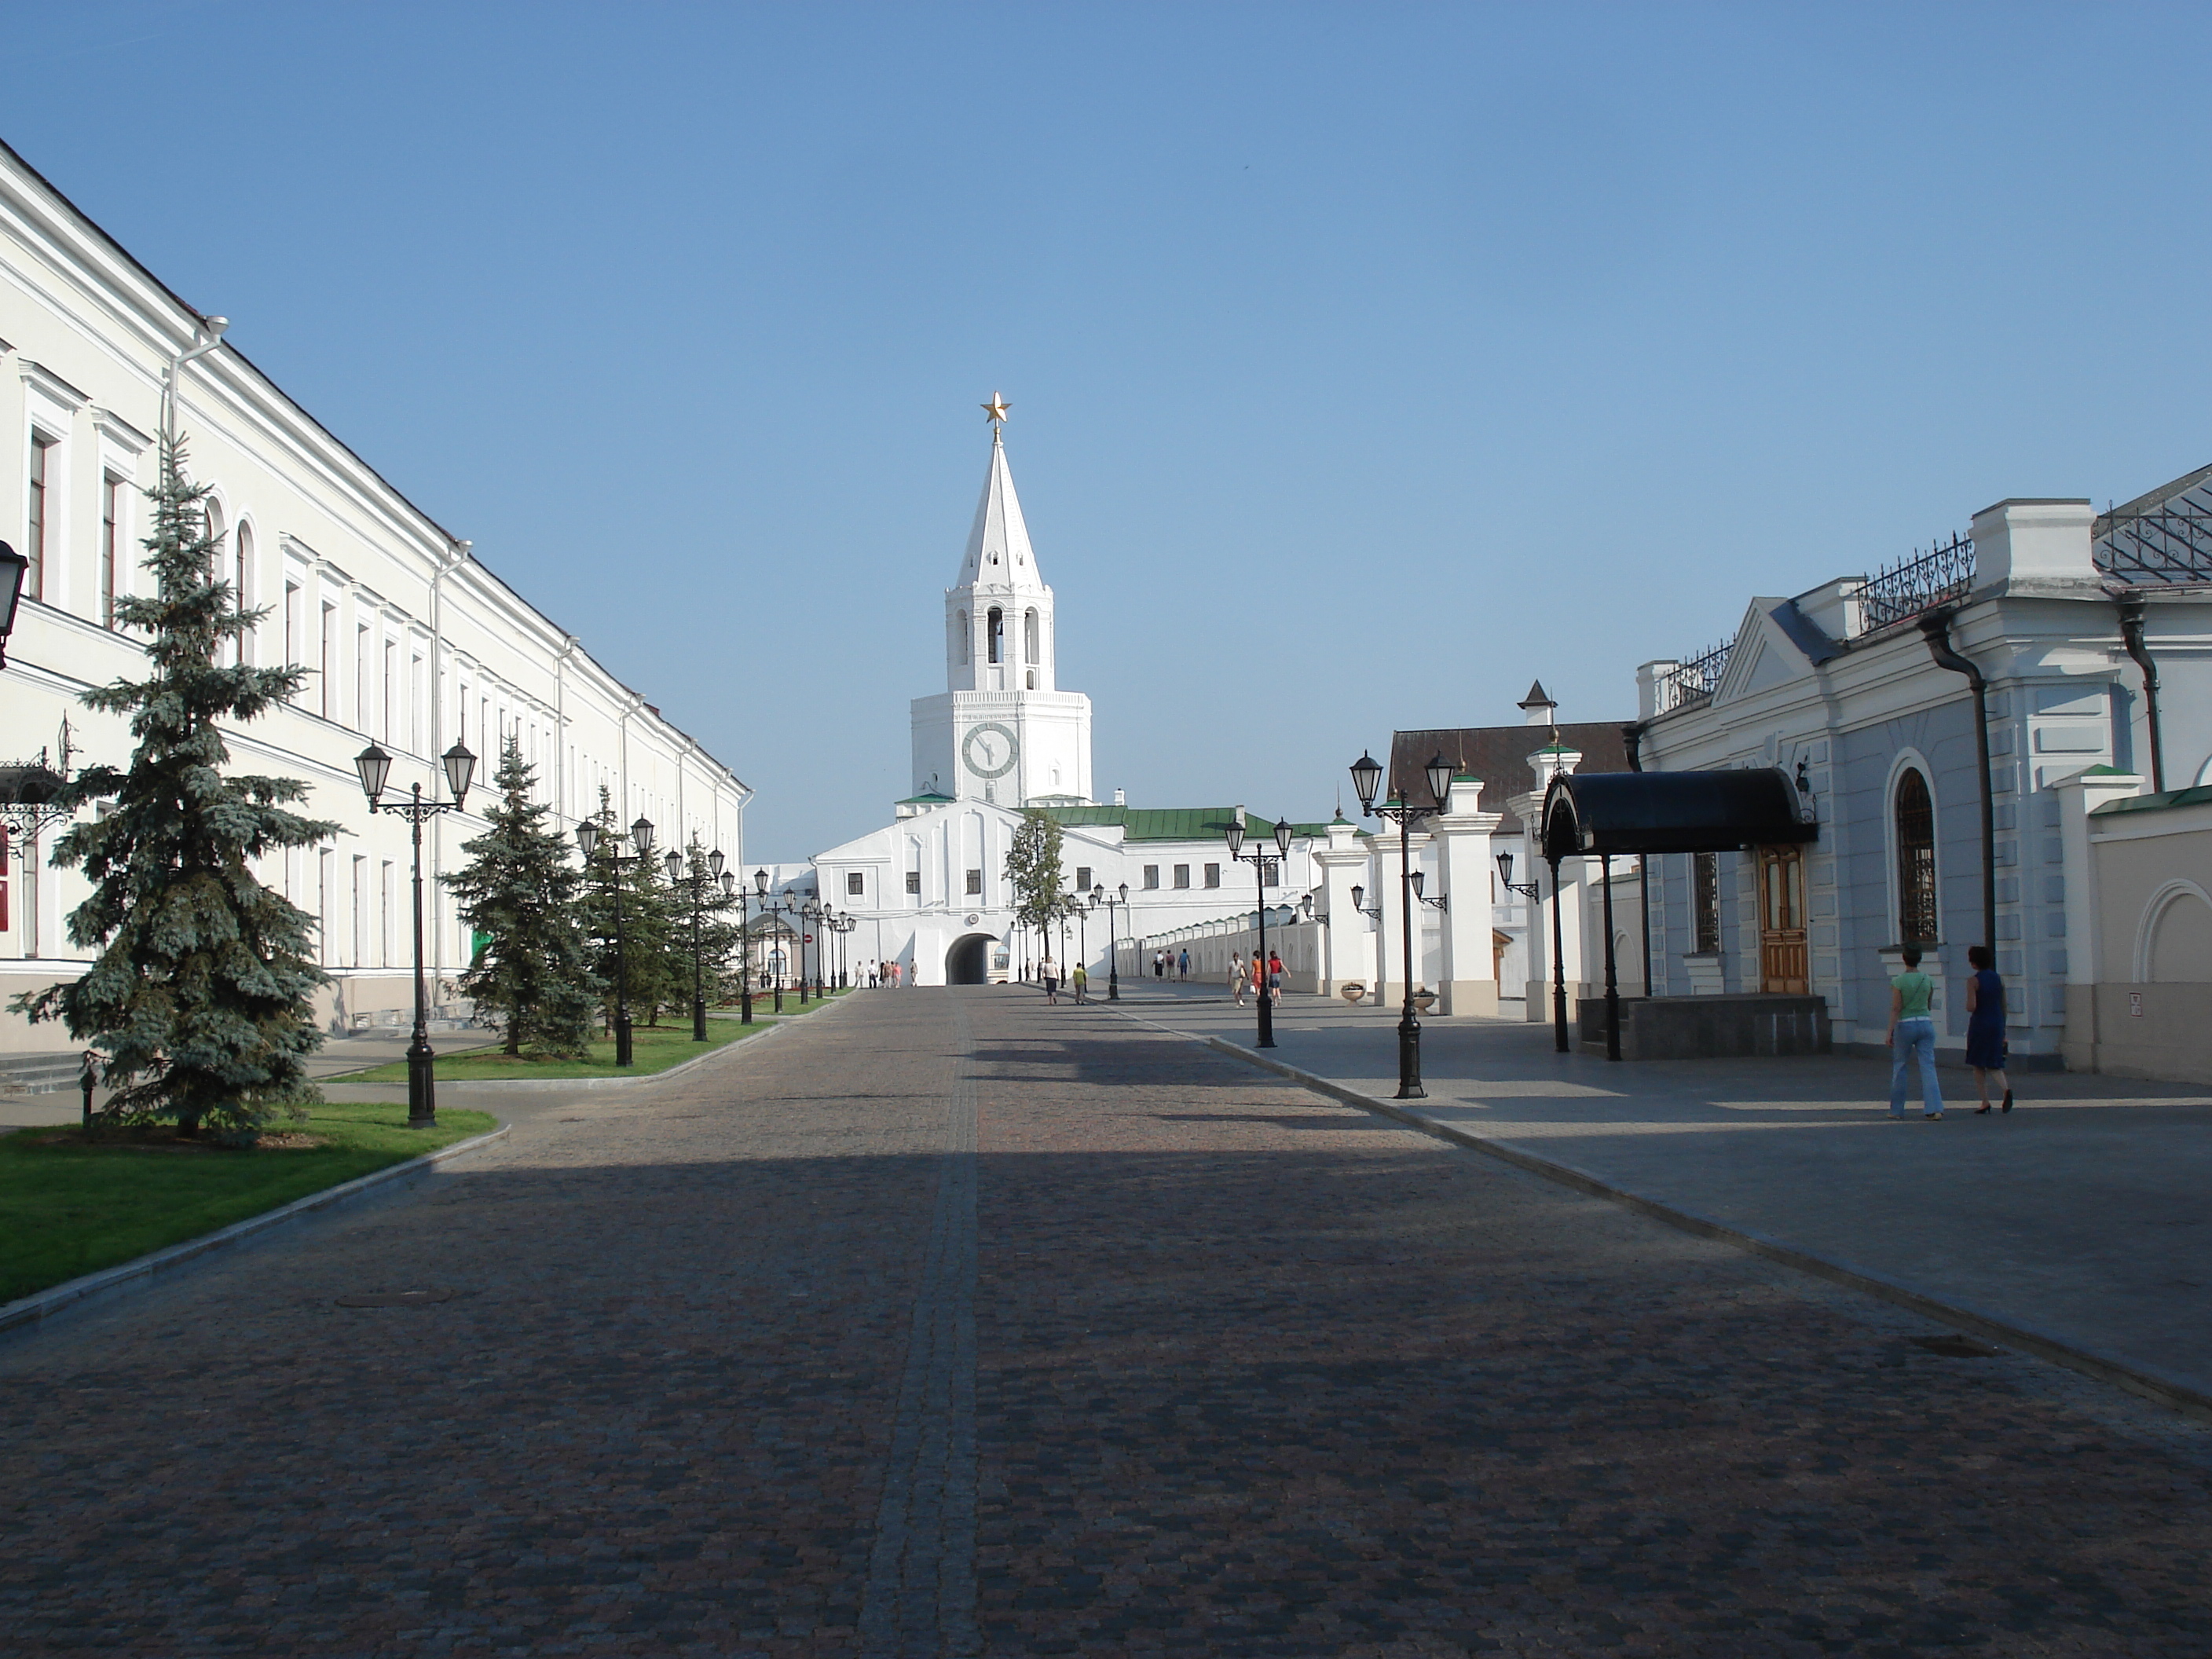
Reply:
x=410, y=640
x=929, y=889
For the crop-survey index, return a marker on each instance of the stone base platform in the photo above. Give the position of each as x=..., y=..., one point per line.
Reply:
x=1709, y=1028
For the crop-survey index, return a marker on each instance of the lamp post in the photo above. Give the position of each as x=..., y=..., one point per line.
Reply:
x=770, y=907
x=846, y=924
x=374, y=767
x=1367, y=778
x=696, y=880
x=734, y=889
x=13, y=567
x=1083, y=904
x=810, y=914
x=588, y=842
x=1100, y=895
x=1257, y=858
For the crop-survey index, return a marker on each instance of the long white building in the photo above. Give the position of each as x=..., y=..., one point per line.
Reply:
x=411, y=641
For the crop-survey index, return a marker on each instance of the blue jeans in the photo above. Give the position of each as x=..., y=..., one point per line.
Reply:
x=1914, y=1037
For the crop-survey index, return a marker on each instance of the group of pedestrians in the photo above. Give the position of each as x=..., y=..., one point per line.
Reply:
x=1079, y=980
x=881, y=975
x=1913, y=1034
x=1164, y=960
x=1256, y=976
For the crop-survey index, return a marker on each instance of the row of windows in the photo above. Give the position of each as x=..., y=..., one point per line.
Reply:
x=1212, y=874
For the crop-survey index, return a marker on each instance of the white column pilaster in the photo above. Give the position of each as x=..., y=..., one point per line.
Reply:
x=1462, y=832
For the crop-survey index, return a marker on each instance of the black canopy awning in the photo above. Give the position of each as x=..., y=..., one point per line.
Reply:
x=1674, y=812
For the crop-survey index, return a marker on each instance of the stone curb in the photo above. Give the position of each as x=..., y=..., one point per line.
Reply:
x=42, y=1304
x=2090, y=1362
x=550, y=1085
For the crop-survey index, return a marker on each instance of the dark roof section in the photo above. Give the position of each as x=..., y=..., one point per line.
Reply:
x=1498, y=754
x=1674, y=812
x=1174, y=823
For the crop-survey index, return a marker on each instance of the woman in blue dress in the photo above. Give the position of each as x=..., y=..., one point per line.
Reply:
x=1986, y=1026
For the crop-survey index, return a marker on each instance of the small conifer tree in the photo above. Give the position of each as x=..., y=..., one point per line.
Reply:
x=647, y=910
x=200, y=996
x=1033, y=870
x=519, y=891
x=718, y=931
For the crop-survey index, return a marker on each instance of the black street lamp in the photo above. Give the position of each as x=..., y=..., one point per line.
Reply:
x=588, y=842
x=696, y=879
x=14, y=568
x=734, y=889
x=1114, y=907
x=1257, y=858
x=1367, y=779
x=846, y=924
x=1081, y=905
x=1531, y=891
x=374, y=767
x=770, y=908
x=810, y=915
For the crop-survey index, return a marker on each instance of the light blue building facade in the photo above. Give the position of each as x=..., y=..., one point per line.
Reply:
x=2090, y=636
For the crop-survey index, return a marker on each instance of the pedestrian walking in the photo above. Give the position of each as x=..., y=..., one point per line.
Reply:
x=1236, y=979
x=1183, y=969
x=1049, y=971
x=1159, y=964
x=1912, y=1036
x=1985, y=1027
x=1079, y=978
x=1275, y=979
x=1258, y=970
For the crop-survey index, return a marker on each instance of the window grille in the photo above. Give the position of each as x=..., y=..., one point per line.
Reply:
x=913, y=881
x=974, y=882
x=1705, y=901
x=1916, y=860
x=1152, y=875
x=855, y=883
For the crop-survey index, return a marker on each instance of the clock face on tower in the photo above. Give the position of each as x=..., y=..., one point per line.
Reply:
x=990, y=749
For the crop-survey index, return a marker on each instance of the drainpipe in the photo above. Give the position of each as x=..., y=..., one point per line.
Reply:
x=1631, y=739
x=568, y=644
x=2131, y=635
x=1936, y=628
x=457, y=556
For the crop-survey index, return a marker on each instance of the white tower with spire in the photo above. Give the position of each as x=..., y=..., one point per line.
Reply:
x=1002, y=731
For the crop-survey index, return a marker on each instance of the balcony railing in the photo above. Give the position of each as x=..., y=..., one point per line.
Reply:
x=1917, y=584
x=1693, y=681
x=2171, y=543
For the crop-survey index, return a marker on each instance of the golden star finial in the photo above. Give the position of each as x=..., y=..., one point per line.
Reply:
x=995, y=411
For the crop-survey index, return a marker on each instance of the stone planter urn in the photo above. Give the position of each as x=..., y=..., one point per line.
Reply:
x=1351, y=990
x=1425, y=1000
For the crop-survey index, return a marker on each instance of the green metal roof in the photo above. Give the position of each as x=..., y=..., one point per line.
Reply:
x=2198, y=796
x=1173, y=823
x=932, y=798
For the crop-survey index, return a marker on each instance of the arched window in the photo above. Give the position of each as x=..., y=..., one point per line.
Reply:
x=1915, y=860
x=1030, y=637
x=963, y=639
x=997, y=634
x=214, y=530
x=243, y=649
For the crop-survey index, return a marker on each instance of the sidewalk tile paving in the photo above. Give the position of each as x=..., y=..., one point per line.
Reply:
x=2081, y=1214
x=953, y=1323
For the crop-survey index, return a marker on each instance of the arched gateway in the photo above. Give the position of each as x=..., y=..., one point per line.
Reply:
x=968, y=961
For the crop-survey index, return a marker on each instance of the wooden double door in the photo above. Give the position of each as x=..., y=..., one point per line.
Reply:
x=1782, y=961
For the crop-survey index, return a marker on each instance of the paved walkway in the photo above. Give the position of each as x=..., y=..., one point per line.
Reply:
x=951, y=1323
x=2082, y=1214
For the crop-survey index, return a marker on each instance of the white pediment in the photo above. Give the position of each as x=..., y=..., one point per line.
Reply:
x=1763, y=655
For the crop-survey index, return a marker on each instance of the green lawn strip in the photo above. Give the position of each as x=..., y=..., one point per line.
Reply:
x=654, y=1048
x=67, y=1210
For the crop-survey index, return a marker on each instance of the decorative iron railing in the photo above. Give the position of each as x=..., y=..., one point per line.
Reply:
x=2171, y=543
x=1916, y=584
x=1693, y=681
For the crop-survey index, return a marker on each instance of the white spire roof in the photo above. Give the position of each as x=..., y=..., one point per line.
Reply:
x=998, y=552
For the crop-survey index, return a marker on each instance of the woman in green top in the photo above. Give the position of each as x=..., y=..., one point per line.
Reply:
x=1912, y=1033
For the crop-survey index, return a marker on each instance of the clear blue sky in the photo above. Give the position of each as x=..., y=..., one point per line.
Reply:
x=1367, y=360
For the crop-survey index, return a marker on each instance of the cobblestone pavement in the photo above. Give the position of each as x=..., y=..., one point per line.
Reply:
x=1091, y=1341
x=2080, y=1215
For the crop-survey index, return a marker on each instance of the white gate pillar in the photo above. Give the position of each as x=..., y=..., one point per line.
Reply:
x=1463, y=836
x=1347, y=945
